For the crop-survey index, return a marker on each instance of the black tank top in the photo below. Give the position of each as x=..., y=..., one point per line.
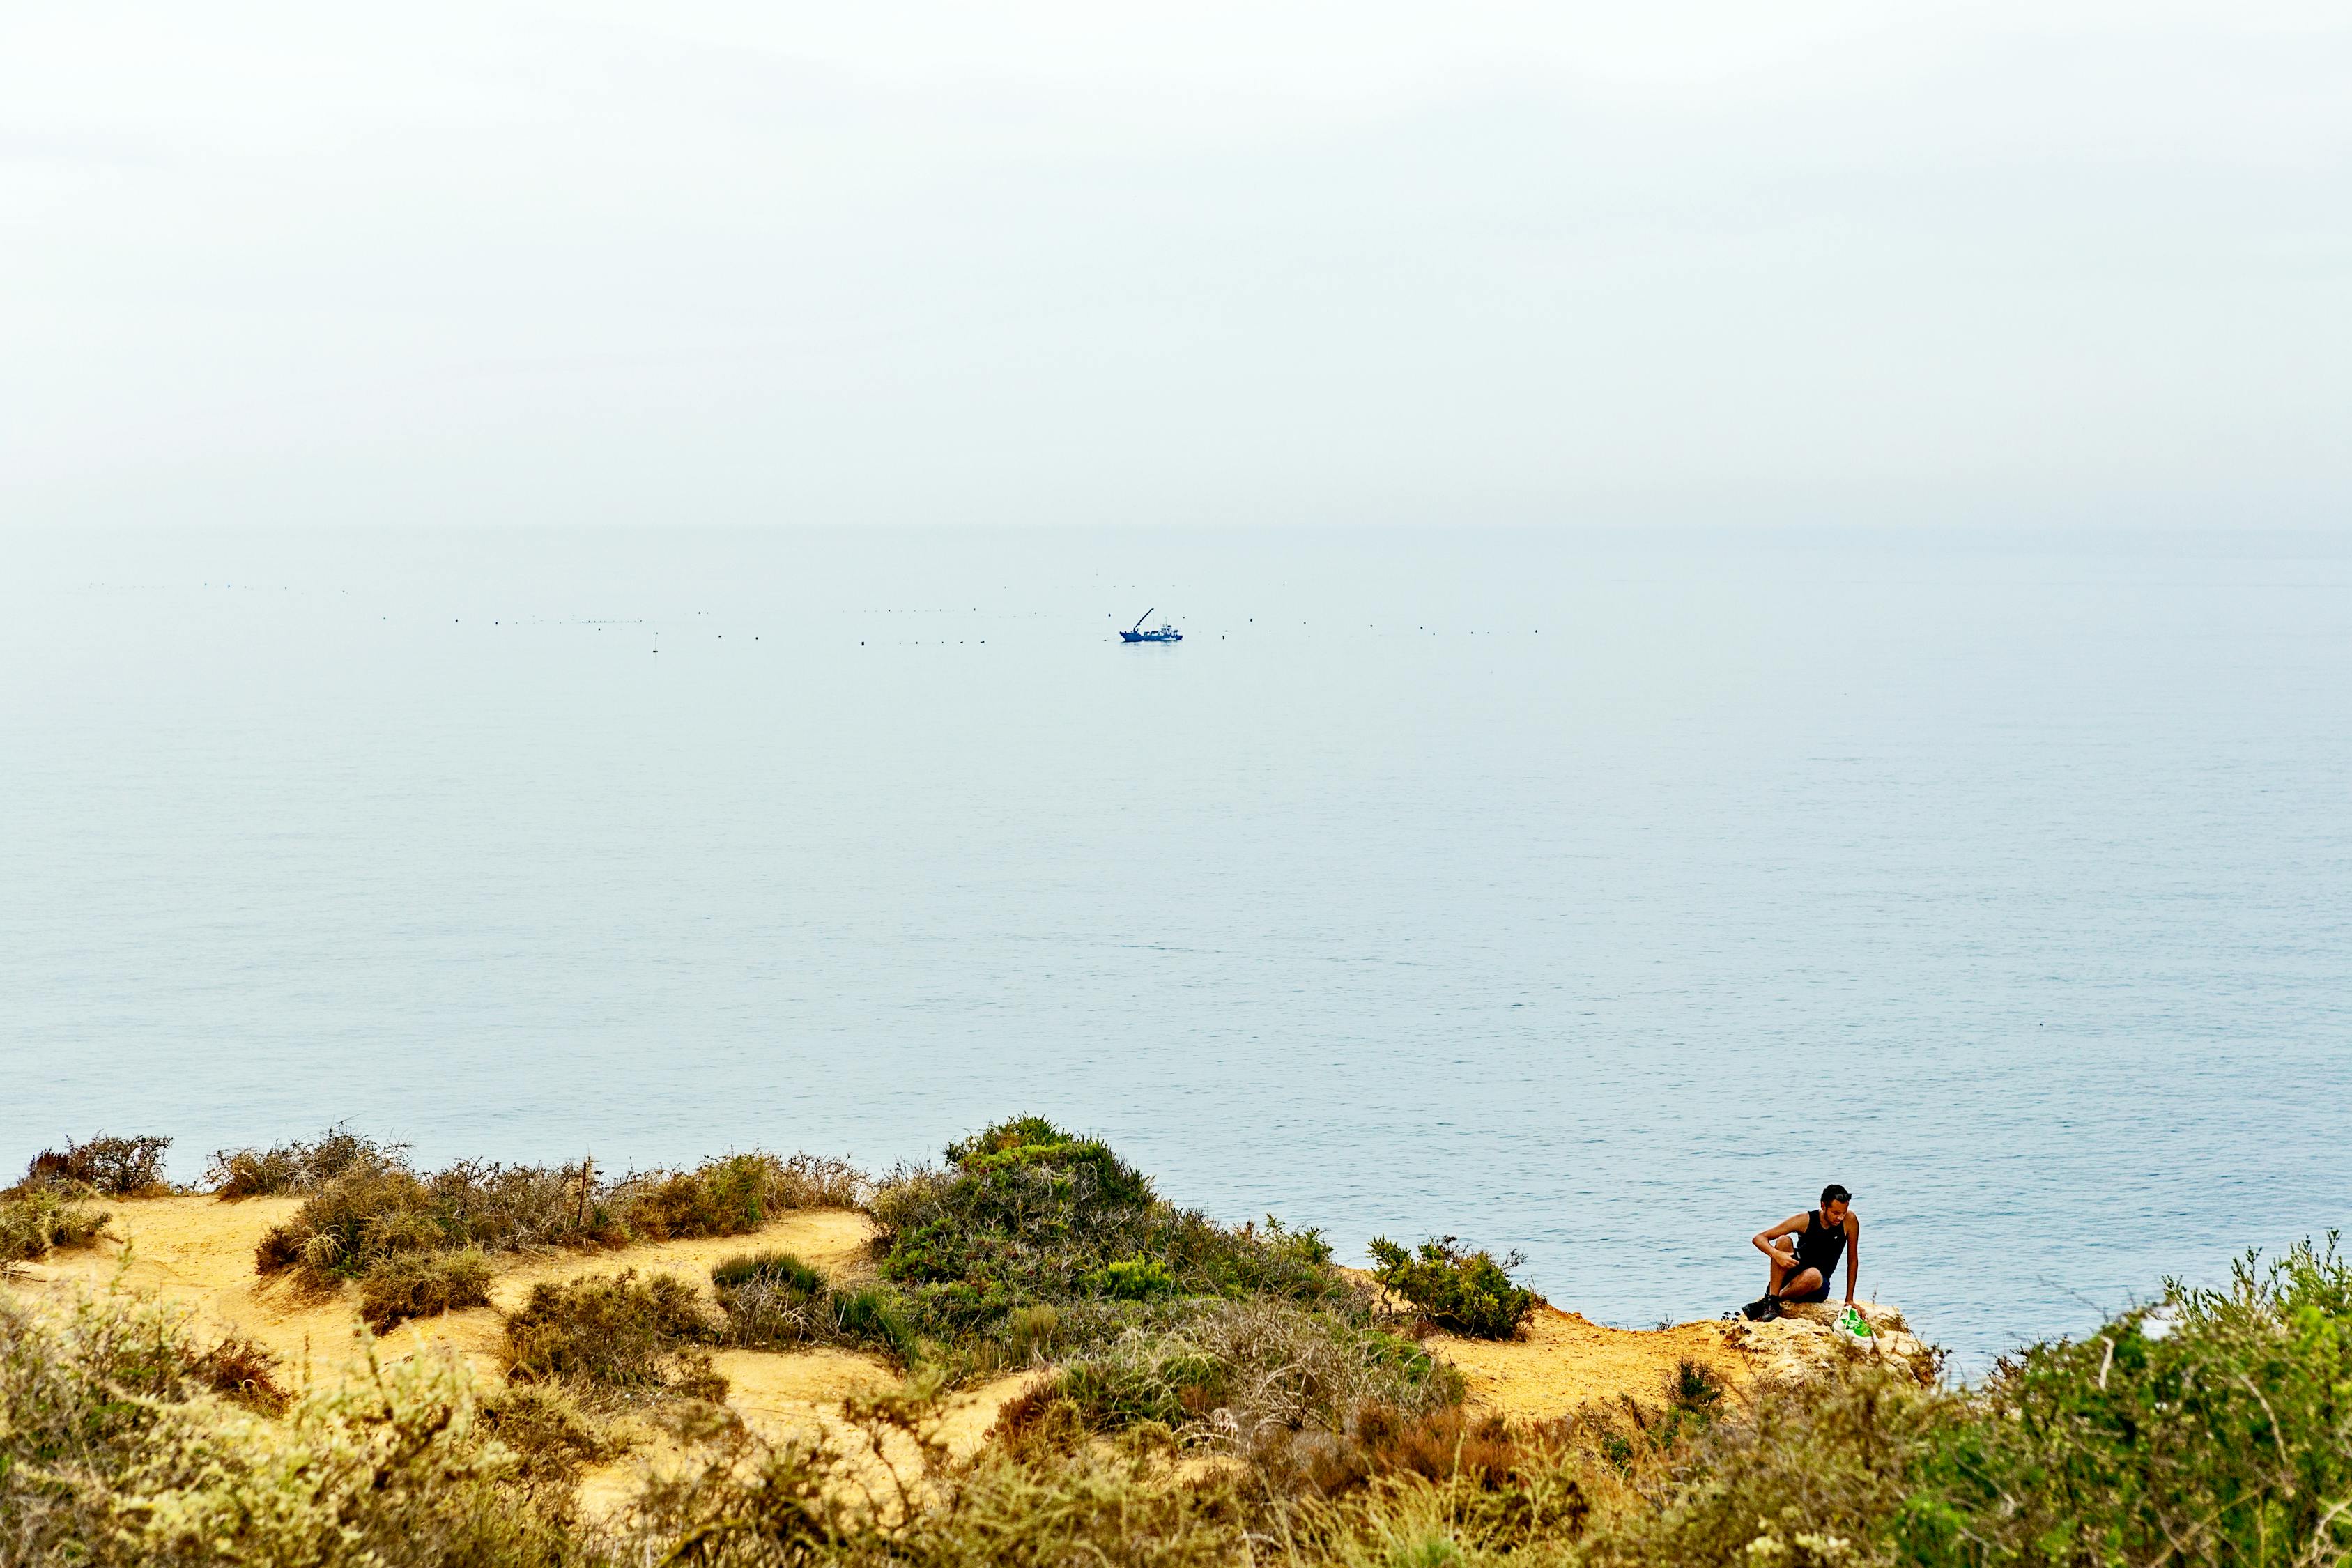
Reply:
x=1820, y=1245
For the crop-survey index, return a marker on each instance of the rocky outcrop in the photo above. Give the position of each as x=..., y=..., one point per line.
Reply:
x=1803, y=1343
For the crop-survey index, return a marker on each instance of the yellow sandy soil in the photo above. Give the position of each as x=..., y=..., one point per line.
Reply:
x=1565, y=1360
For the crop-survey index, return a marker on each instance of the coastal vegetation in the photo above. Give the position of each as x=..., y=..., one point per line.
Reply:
x=1193, y=1393
x=34, y=1220
x=418, y=1242
x=52, y=1206
x=616, y=1332
x=1468, y=1292
x=293, y=1167
x=117, y=1167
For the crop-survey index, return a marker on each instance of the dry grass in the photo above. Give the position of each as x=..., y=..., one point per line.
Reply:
x=244, y=1372
x=34, y=1220
x=115, y=1453
x=422, y=1286
x=117, y=1167
x=370, y=1210
x=549, y=1432
x=616, y=1332
x=296, y=1167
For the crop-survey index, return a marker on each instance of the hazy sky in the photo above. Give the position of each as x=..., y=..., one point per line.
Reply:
x=1210, y=261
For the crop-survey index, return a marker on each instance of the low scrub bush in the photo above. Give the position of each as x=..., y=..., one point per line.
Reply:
x=520, y=1208
x=1031, y=1333
x=242, y=1372
x=1816, y=1474
x=366, y=1207
x=615, y=1332
x=780, y=1271
x=818, y=1182
x=34, y=1220
x=1473, y=1501
x=1468, y=1292
x=112, y=1455
x=550, y=1434
x=1246, y=1377
x=424, y=1285
x=822, y=1500
x=872, y=1317
x=371, y=1211
x=771, y=1300
x=296, y=1167
x=117, y=1168
x=724, y=1197
x=1025, y=1213
x=733, y=1196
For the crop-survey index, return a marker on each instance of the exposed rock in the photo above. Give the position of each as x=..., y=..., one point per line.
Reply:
x=1803, y=1342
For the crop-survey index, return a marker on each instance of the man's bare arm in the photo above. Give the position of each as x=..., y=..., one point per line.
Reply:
x=1763, y=1239
x=1852, y=1254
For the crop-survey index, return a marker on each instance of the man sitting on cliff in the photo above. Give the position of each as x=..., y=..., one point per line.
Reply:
x=1801, y=1269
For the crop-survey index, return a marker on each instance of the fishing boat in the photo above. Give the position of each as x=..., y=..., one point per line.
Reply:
x=1136, y=633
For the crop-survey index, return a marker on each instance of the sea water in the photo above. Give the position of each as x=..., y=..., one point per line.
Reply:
x=1599, y=895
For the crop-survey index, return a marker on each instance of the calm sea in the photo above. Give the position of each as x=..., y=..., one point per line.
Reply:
x=1598, y=895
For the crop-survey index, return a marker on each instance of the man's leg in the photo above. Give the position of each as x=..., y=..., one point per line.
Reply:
x=1792, y=1281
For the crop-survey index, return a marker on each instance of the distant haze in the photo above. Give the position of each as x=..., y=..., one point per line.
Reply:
x=1203, y=262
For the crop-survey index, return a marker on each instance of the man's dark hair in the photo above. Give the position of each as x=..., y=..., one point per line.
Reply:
x=1834, y=1193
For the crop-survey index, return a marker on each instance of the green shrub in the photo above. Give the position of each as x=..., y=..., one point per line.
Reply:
x=38, y=1219
x=423, y=1285
x=771, y=1300
x=117, y=1168
x=614, y=1332
x=1031, y=1331
x=1246, y=1377
x=1468, y=1292
x=725, y=1197
x=1137, y=1279
x=2216, y=1427
x=780, y=1269
x=872, y=1317
x=1026, y=1212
